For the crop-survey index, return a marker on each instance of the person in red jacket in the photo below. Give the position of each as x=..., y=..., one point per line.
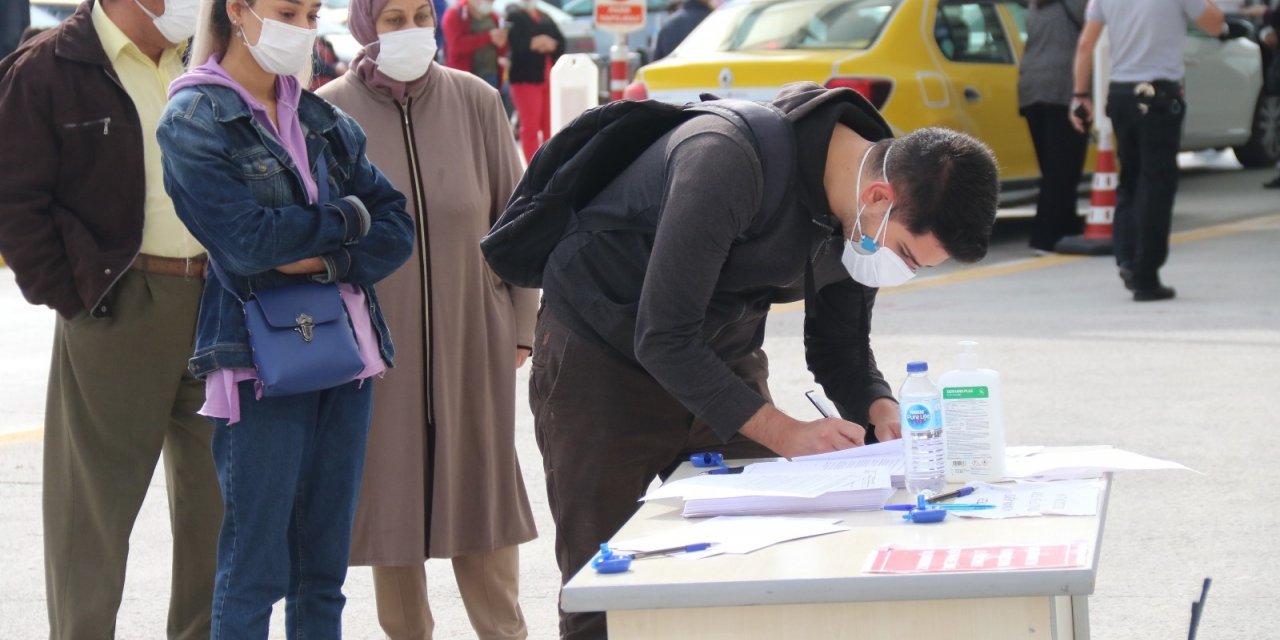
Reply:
x=476, y=42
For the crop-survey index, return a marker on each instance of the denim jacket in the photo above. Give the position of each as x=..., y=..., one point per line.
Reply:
x=235, y=187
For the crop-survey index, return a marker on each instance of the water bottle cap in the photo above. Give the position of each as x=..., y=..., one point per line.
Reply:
x=917, y=367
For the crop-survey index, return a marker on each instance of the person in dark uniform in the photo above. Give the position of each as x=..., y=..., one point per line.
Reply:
x=1146, y=106
x=690, y=14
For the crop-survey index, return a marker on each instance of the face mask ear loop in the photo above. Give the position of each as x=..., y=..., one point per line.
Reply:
x=884, y=171
x=857, y=221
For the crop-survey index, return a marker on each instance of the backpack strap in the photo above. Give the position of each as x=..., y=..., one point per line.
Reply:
x=775, y=143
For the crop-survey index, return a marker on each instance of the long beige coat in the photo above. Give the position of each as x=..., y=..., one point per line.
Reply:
x=455, y=475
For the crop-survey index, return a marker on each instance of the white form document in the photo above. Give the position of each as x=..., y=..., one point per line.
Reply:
x=731, y=534
x=1023, y=499
x=739, y=485
x=1055, y=463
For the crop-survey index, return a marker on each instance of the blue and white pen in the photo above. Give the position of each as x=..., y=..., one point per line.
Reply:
x=947, y=507
x=688, y=548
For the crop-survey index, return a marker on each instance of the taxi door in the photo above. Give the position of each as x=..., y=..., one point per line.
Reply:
x=977, y=46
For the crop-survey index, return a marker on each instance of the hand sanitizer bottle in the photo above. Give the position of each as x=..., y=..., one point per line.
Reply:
x=973, y=416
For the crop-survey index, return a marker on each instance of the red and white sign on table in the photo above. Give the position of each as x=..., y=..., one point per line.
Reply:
x=620, y=16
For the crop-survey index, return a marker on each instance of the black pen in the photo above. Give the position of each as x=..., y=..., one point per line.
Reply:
x=958, y=493
x=819, y=405
x=723, y=471
x=827, y=413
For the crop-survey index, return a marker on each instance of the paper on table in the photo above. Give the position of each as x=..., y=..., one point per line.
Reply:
x=855, y=489
x=1064, y=498
x=1054, y=463
x=732, y=534
x=888, y=453
x=801, y=485
x=890, y=448
x=890, y=464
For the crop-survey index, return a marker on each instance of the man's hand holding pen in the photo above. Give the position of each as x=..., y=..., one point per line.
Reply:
x=789, y=437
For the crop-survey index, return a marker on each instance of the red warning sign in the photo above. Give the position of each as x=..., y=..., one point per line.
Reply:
x=620, y=16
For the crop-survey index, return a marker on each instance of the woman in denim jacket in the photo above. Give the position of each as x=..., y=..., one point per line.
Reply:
x=243, y=147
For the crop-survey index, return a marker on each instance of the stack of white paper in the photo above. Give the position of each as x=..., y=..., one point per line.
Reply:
x=782, y=487
x=889, y=454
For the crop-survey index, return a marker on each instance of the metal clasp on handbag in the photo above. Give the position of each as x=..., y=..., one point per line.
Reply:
x=306, y=327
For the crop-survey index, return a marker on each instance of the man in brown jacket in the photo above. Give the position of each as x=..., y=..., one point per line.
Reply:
x=88, y=230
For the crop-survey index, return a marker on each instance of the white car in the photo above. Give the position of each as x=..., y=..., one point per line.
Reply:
x=1226, y=106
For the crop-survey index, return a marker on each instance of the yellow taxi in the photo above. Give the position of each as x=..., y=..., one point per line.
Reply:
x=947, y=63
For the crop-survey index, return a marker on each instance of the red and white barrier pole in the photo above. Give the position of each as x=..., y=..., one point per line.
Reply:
x=1096, y=239
x=619, y=68
x=1102, y=202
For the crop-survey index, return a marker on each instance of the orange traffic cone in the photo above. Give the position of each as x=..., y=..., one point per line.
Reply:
x=1096, y=240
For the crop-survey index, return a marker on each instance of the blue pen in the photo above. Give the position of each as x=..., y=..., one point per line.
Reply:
x=689, y=548
x=948, y=507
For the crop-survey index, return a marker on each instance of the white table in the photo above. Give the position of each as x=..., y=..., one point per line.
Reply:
x=816, y=588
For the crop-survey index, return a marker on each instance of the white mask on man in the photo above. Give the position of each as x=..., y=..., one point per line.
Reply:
x=178, y=22
x=405, y=55
x=869, y=262
x=282, y=49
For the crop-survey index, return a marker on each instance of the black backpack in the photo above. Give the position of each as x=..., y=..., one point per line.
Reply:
x=582, y=159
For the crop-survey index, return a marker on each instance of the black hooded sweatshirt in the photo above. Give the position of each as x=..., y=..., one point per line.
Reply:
x=688, y=303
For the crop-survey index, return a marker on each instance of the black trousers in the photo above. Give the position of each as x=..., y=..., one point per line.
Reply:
x=1147, y=144
x=606, y=429
x=1060, y=150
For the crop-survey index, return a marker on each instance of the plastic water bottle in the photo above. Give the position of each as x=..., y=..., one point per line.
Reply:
x=923, y=439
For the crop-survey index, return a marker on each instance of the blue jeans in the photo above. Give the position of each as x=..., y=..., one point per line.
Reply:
x=290, y=474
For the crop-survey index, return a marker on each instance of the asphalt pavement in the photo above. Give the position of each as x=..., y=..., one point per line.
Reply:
x=1191, y=380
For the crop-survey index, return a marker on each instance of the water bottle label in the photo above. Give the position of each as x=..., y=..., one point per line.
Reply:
x=920, y=416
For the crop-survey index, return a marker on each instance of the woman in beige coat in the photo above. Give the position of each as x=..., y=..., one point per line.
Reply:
x=441, y=477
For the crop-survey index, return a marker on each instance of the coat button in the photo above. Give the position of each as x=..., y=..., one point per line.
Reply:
x=262, y=168
x=102, y=309
x=107, y=271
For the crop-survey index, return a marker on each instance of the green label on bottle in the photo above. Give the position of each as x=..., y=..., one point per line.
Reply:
x=965, y=393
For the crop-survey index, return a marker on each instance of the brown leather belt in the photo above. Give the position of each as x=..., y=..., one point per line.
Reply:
x=180, y=267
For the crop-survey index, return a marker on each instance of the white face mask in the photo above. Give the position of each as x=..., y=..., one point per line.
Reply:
x=869, y=262
x=282, y=49
x=405, y=55
x=178, y=23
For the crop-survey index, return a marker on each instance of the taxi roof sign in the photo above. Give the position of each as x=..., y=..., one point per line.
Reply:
x=620, y=16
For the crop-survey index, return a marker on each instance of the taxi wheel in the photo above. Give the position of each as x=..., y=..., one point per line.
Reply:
x=1263, y=147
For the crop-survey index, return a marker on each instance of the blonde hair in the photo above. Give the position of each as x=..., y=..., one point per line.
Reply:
x=214, y=32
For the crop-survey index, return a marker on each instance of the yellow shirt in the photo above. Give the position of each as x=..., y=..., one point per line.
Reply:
x=147, y=84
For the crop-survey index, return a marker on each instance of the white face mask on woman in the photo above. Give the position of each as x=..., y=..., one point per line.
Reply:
x=178, y=22
x=869, y=262
x=405, y=55
x=282, y=49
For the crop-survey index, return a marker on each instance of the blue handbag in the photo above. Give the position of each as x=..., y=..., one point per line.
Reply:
x=301, y=335
x=302, y=339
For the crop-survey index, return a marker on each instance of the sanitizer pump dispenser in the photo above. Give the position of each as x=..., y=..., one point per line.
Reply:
x=973, y=418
